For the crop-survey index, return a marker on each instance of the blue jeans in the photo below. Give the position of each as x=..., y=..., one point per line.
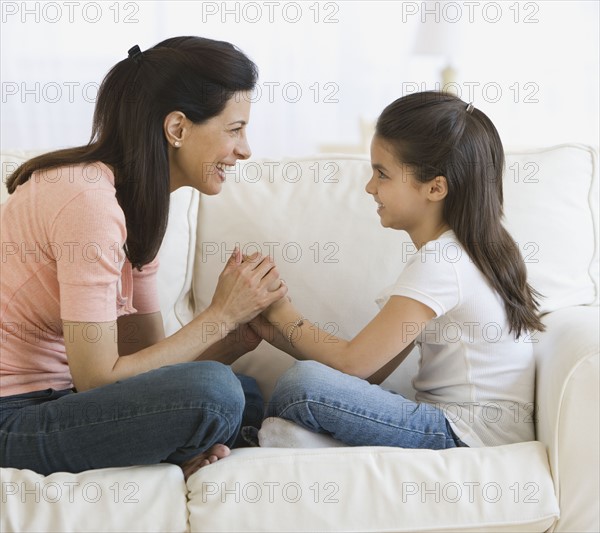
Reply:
x=355, y=412
x=167, y=415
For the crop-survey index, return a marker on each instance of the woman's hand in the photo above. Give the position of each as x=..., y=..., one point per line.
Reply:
x=246, y=288
x=276, y=284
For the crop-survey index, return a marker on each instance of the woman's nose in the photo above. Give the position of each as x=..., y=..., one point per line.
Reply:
x=242, y=150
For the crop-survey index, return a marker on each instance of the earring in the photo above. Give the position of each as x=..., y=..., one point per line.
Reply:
x=177, y=144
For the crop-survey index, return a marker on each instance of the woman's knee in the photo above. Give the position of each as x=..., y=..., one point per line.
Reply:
x=205, y=382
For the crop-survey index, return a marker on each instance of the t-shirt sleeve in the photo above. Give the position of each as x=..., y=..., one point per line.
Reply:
x=428, y=277
x=145, y=288
x=89, y=233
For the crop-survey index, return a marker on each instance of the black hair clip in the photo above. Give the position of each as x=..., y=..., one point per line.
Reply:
x=135, y=53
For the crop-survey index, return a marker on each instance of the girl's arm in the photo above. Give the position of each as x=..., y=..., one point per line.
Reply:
x=388, y=336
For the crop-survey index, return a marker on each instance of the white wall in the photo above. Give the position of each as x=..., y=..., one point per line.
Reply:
x=359, y=54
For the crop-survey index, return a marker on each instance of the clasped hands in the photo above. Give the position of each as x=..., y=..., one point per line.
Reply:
x=247, y=286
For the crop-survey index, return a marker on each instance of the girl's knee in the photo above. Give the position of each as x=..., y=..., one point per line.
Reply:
x=299, y=383
x=307, y=373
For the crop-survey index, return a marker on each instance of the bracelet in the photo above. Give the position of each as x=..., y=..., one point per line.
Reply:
x=295, y=325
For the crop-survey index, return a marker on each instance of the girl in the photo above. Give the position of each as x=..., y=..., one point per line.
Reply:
x=88, y=379
x=463, y=298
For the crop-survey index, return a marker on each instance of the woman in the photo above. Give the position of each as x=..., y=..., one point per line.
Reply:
x=88, y=379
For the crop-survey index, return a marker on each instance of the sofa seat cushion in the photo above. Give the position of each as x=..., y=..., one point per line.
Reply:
x=504, y=488
x=140, y=498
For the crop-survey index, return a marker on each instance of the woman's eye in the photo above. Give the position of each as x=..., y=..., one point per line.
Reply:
x=236, y=131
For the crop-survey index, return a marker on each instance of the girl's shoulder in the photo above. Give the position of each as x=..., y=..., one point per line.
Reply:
x=444, y=250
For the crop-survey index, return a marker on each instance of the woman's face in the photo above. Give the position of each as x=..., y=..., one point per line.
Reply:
x=207, y=149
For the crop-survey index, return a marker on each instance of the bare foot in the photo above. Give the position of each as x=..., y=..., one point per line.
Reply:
x=212, y=455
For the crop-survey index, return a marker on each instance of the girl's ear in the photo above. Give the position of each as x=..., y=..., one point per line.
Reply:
x=174, y=126
x=437, y=188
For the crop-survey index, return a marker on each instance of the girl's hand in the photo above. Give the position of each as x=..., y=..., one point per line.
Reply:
x=243, y=290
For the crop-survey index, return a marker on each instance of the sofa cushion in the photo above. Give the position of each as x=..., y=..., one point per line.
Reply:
x=141, y=498
x=176, y=256
x=551, y=210
x=503, y=488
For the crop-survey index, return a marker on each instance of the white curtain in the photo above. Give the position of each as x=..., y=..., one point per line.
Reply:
x=531, y=66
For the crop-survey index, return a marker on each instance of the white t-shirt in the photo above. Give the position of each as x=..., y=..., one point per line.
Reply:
x=471, y=367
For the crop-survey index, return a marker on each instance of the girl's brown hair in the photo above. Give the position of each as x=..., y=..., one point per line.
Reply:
x=434, y=134
x=193, y=75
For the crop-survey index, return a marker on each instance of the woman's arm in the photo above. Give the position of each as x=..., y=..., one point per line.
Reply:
x=233, y=346
x=385, y=338
x=94, y=360
x=241, y=294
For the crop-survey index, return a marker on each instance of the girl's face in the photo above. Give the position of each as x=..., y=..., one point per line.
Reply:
x=207, y=149
x=401, y=199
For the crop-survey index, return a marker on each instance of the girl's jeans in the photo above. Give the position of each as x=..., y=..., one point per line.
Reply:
x=167, y=415
x=355, y=412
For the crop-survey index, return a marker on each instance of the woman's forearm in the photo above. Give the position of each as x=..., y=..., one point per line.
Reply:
x=93, y=364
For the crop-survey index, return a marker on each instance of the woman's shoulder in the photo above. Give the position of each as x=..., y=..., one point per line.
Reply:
x=75, y=178
x=57, y=187
x=85, y=187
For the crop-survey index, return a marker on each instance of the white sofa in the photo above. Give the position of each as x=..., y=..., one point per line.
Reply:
x=321, y=227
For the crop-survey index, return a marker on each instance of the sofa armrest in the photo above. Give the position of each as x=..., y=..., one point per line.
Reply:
x=568, y=414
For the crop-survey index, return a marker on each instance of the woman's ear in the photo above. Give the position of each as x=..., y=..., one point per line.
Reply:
x=174, y=128
x=437, y=188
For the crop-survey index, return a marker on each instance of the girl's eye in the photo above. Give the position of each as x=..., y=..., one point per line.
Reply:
x=381, y=175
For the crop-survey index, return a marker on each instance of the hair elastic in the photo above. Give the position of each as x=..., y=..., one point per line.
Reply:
x=470, y=108
x=135, y=53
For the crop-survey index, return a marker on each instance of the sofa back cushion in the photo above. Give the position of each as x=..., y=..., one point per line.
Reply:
x=315, y=218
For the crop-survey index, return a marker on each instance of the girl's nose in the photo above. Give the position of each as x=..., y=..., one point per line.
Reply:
x=370, y=186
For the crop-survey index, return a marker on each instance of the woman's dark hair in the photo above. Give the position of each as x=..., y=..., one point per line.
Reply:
x=434, y=135
x=193, y=75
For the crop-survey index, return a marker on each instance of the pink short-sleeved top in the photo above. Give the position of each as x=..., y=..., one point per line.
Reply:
x=62, y=236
